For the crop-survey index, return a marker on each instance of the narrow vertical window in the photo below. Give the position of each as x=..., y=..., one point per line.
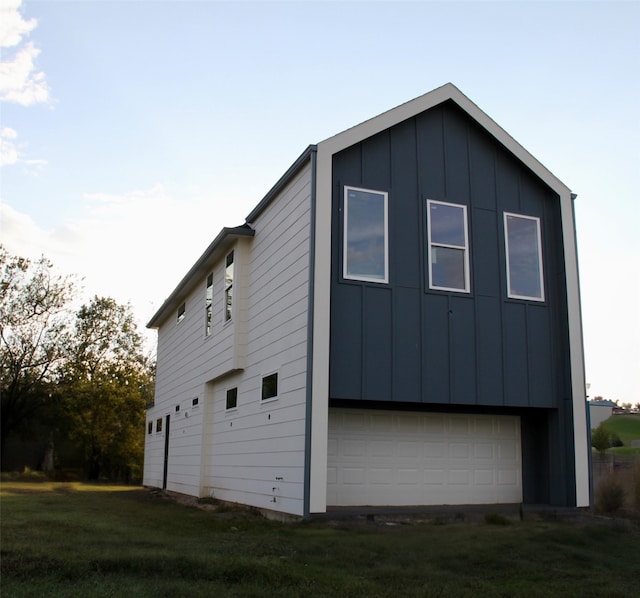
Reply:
x=270, y=387
x=232, y=398
x=366, y=242
x=182, y=312
x=228, y=288
x=524, y=257
x=207, y=304
x=150, y=427
x=159, y=425
x=448, y=246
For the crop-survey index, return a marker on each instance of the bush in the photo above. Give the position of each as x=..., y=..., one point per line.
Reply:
x=602, y=439
x=610, y=496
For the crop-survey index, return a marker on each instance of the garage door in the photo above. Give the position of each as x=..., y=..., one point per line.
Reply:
x=406, y=458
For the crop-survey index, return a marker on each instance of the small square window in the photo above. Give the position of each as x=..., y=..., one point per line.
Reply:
x=270, y=387
x=194, y=402
x=232, y=398
x=177, y=408
x=159, y=425
x=182, y=312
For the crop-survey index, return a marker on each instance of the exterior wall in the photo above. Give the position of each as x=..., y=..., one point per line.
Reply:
x=404, y=342
x=240, y=455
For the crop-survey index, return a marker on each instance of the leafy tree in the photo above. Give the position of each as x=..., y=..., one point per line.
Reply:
x=104, y=389
x=34, y=316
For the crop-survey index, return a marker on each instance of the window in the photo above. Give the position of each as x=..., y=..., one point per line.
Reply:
x=150, y=427
x=177, y=408
x=207, y=304
x=159, y=425
x=366, y=244
x=194, y=402
x=181, y=312
x=228, y=288
x=524, y=257
x=270, y=387
x=232, y=398
x=448, y=246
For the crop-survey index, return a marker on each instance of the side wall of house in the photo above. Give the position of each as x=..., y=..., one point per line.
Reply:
x=253, y=453
x=480, y=350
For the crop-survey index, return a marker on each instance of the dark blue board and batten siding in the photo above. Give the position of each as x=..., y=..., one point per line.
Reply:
x=401, y=341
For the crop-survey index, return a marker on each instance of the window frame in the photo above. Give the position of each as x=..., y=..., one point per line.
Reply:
x=182, y=312
x=466, y=249
x=208, y=305
x=233, y=407
x=273, y=397
x=539, y=256
x=345, y=236
x=159, y=425
x=228, y=286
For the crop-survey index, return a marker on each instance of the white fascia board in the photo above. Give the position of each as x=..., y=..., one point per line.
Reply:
x=576, y=353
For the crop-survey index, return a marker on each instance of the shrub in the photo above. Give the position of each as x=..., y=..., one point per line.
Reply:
x=496, y=519
x=609, y=496
x=602, y=439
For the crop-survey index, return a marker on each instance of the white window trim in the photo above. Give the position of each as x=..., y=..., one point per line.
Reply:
x=228, y=315
x=511, y=295
x=230, y=409
x=346, y=276
x=270, y=399
x=467, y=276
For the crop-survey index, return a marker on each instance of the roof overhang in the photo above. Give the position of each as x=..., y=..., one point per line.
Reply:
x=224, y=240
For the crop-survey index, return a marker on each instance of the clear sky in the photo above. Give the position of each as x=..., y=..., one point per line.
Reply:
x=133, y=131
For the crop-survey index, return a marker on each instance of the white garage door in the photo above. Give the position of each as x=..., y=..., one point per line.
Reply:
x=407, y=458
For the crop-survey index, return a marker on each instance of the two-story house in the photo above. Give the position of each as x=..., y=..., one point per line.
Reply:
x=396, y=323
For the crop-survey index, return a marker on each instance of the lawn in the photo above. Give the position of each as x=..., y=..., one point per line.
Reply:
x=80, y=540
x=627, y=427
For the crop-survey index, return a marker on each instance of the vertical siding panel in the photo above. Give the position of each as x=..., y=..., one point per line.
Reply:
x=435, y=364
x=516, y=379
x=486, y=261
x=377, y=365
x=482, y=170
x=540, y=364
x=376, y=162
x=431, y=161
x=463, y=348
x=346, y=343
x=407, y=345
x=405, y=213
x=456, y=157
x=489, y=351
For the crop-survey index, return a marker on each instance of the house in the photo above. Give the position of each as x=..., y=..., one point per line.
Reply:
x=396, y=323
x=600, y=411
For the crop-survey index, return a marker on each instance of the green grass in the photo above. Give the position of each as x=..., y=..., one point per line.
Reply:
x=79, y=540
x=627, y=427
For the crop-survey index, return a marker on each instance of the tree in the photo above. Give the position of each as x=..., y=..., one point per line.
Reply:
x=602, y=439
x=34, y=317
x=104, y=389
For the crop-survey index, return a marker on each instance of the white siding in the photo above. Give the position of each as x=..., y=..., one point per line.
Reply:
x=255, y=453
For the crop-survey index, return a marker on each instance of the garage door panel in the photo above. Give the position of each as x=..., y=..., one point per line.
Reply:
x=400, y=458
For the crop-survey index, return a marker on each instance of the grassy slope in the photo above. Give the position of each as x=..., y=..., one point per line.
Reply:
x=627, y=427
x=74, y=540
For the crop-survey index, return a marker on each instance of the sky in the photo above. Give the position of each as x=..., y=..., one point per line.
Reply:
x=133, y=131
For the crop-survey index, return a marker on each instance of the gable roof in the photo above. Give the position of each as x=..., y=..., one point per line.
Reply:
x=200, y=269
x=325, y=149
x=447, y=92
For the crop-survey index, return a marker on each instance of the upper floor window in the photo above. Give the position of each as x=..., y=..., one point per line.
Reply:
x=228, y=288
x=448, y=246
x=270, y=387
x=207, y=304
x=182, y=312
x=524, y=257
x=366, y=239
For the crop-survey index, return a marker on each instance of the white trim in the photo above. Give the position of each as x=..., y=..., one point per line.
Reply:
x=467, y=283
x=576, y=350
x=540, y=263
x=385, y=196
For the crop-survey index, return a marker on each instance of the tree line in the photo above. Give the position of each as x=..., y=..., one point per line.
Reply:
x=74, y=383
